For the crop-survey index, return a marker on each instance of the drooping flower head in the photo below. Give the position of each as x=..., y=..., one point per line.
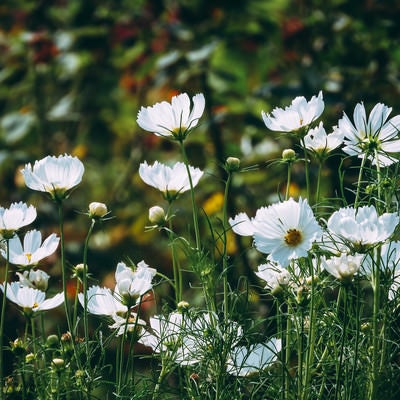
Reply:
x=54, y=175
x=36, y=279
x=358, y=229
x=321, y=144
x=343, y=267
x=133, y=325
x=31, y=300
x=173, y=120
x=171, y=181
x=274, y=275
x=32, y=250
x=286, y=231
x=132, y=284
x=295, y=117
x=15, y=217
x=375, y=137
x=101, y=301
x=258, y=357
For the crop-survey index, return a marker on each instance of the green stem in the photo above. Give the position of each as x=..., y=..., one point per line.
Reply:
x=163, y=372
x=375, y=330
x=3, y=313
x=75, y=310
x=288, y=179
x=318, y=190
x=85, y=288
x=306, y=169
x=36, y=377
x=287, y=352
x=194, y=207
x=64, y=282
x=63, y=269
x=224, y=251
x=342, y=294
x=356, y=339
x=175, y=265
x=359, y=182
x=309, y=358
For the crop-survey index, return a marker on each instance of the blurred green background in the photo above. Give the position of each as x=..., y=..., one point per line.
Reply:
x=74, y=73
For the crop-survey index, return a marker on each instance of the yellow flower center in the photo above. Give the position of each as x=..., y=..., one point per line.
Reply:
x=28, y=256
x=293, y=237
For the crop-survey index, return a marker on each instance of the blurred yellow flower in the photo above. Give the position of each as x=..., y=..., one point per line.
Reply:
x=214, y=203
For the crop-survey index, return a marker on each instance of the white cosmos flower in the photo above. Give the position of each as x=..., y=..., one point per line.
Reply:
x=286, y=230
x=174, y=120
x=36, y=279
x=131, y=284
x=54, y=175
x=375, y=137
x=358, y=229
x=101, y=301
x=298, y=115
x=343, y=267
x=31, y=300
x=32, y=250
x=15, y=217
x=320, y=143
x=171, y=181
x=248, y=361
x=274, y=275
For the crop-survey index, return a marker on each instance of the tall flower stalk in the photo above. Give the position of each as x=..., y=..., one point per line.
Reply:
x=2, y=319
x=192, y=197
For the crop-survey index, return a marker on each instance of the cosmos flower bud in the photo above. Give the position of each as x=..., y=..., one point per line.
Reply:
x=58, y=363
x=157, y=215
x=97, y=210
x=288, y=155
x=52, y=341
x=232, y=164
x=183, y=305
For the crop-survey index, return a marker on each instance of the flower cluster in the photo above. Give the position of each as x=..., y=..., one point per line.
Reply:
x=330, y=271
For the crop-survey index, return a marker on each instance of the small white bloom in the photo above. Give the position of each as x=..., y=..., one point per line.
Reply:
x=31, y=300
x=15, y=217
x=286, y=230
x=375, y=137
x=33, y=250
x=101, y=301
x=296, y=116
x=131, y=284
x=171, y=181
x=36, y=279
x=248, y=361
x=320, y=143
x=343, y=267
x=358, y=229
x=54, y=175
x=274, y=275
x=174, y=120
